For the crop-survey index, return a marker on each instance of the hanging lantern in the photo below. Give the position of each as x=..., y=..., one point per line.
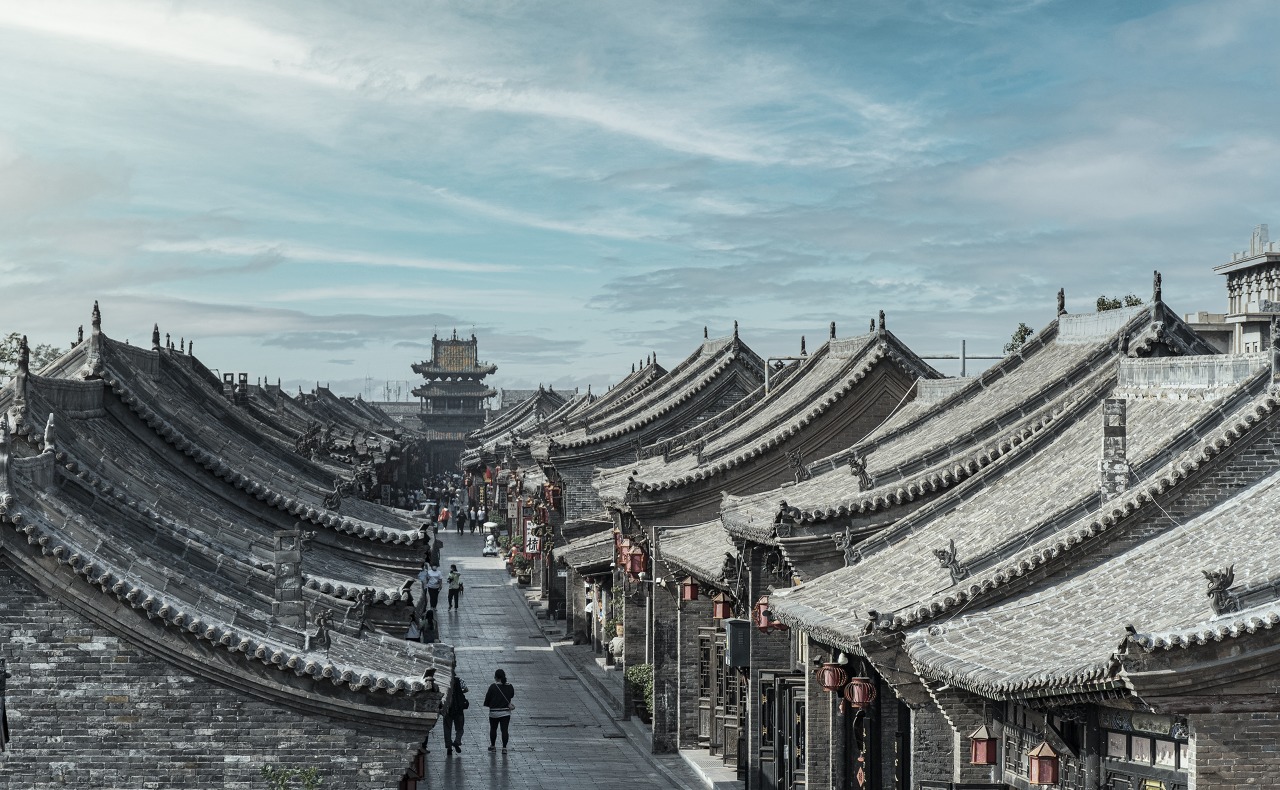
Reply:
x=763, y=617
x=688, y=589
x=721, y=607
x=982, y=747
x=636, y=561
x=859, y=693
x=831, y=677
x=1044, y=765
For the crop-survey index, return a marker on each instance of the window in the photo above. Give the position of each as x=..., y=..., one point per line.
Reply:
x=1141, y=749
x=1117, y=746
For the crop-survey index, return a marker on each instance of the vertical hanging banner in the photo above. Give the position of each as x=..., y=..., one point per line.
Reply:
x=531, y=540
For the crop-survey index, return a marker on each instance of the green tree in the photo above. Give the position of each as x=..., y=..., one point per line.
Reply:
x=287, y=778
x=41, y=355
x=1116, y=302
x=1019, y=337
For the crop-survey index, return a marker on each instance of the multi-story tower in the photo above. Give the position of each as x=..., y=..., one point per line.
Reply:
x=452, y=398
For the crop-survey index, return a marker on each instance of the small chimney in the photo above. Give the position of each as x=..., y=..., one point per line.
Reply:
x=1115, y=460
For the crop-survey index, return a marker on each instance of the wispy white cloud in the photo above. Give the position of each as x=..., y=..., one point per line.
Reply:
x=306, y=253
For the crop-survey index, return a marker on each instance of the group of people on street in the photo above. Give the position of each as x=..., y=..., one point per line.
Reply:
x=499, y=699
x=422, y=623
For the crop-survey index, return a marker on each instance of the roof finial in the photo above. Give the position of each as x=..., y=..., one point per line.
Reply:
x=633, y=367
x=1155, y=287
x=872, y=328
x=168, y=341
x=182, y=345
x=588, y=389
x=24, y=355
x=833, y=330
x=155, y=337
x=96, y=323
x=882, y=321
x=80, y=335
x=655, y=357
x=191, y=348
x=704, y=332
x=735, y=330
x=803, y=353
x=1062, y=301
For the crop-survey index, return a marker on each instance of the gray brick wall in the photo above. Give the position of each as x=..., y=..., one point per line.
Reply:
x=88, y=709
x=666, y=665
x=692, y=615
x=932, y=746
x=770, y=651
x=822, y=723
x=1234, y=751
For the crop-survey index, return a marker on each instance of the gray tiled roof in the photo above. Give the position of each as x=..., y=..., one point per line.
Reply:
x=590, y=552
x=695, y=373
x=150, y=499
x=818, y=384
x=965, y=431
x=1067, y=634
x=698, y=550
x=991, y=522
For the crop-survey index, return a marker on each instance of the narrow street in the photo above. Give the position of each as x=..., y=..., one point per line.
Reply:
x=562, y=735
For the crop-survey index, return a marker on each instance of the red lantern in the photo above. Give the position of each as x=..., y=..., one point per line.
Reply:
x=764, y=617
x=860, y=693
x=982, y=747
x=1044, y=765
x=831, y=677
x=721, y=607
x=636, y=561
x=688, y=589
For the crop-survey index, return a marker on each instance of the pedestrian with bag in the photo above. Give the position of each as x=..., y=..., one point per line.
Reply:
x=454, y=718
x=455, y=587
x=498, y=699
x=432, y=581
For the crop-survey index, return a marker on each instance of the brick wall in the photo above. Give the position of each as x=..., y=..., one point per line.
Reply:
x=88, y=709
x=770, y=651
x=932, y=746
x=693, y=615
x=666, y=665
x=822, y=725
x=1233, y=751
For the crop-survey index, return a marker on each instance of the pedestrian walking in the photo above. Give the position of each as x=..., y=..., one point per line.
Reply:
x=455, y=587
x=498, y=699
x=471, y=519
x=443, y=518
x=432, y=581
x=454, y=719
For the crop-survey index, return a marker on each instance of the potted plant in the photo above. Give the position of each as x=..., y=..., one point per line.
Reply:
x=640, y=678
x=521, y=566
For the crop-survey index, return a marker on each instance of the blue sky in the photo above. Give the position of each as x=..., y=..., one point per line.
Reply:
x=309, y=190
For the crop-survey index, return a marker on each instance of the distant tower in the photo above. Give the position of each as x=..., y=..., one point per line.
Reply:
x=452, y=397
x=1253, y=297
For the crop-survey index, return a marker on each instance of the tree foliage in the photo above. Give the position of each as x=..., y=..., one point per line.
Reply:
x=41, y=355
x=1116, y=302
x=287, y=778
x=1019, y=337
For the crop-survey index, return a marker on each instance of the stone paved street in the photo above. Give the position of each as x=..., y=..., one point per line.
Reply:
x=562, y=735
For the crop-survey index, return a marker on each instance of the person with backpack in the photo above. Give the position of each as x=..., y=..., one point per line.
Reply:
x=454, y=719
x=498, y=699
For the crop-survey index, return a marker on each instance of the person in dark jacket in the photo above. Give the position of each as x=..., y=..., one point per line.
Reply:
x=498, y=699
x=453, y=716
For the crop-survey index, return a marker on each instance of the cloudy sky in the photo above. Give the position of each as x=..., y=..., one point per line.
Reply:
x=310, y=189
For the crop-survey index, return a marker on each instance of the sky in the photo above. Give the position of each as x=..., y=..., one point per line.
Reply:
x=310, y=190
